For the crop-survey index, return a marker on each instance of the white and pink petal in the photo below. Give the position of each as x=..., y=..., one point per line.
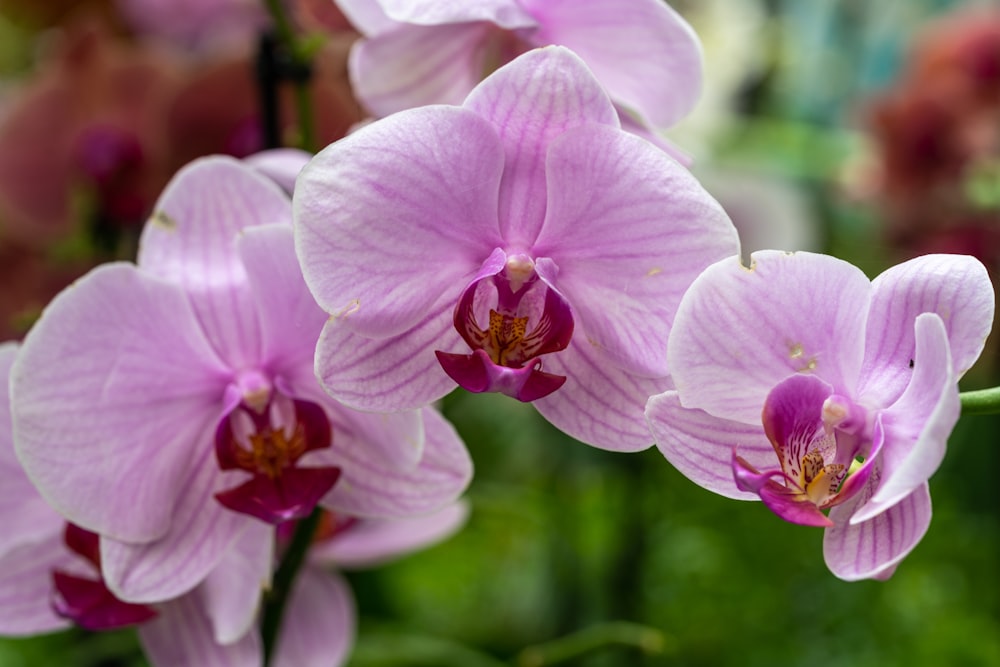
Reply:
x=625, y=288
x=599, y=404
x=395, y=215
x=319, y=627
x=642, y=51
x=112, y=391
x=739, y=330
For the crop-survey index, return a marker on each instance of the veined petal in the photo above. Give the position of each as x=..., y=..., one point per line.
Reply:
x=182, y=635
x=388, y=374
x=231, y=592
x=290, y=320
x=373, y=542
x=531, y=101
x=392, y=217
x=26, y=586
x=599, y=404
x=24, y=515
x=368, y=487
x=396, y=439
x=367, y=16
x=319, y=627
x=201, y=533
x=956, y=287
x=701, y=446
x=191, y=241
x=111, y=392
x=873, y=548
x=281, y=165
x=642, y=51
x=417, y=65
x=917, y=426
x=740, y=331
x=503, y=13
x=191, y=238
x=625, y=288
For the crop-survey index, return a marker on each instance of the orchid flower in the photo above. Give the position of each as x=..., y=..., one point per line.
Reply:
x=420, y=52
x=171, y=406
x=50, y=579
x=478, y=244
x=802, y=383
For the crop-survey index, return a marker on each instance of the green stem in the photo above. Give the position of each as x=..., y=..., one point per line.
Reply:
x=281, y=586
x=981, y=402
x=632, y=635
x=295, y=49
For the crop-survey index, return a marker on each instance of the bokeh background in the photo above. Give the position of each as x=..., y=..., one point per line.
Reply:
x=867, y=129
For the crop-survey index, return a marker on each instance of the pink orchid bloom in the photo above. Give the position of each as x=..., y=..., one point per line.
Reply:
x=170, y=406
x=801, y=383
x=475, y=244
x=419, y=52
x=50, y=579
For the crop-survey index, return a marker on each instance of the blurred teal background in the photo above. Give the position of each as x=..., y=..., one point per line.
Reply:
x=563, y=537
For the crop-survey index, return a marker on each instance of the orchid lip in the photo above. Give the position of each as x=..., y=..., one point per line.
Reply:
x=268, y=443
x=87, y=601
x=530, y=319
x=816, y=435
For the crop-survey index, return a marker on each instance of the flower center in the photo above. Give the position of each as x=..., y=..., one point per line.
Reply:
x=817, y=436
x=267, y=441
x=525, y=319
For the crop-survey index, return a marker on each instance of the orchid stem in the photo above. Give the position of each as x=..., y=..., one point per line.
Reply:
x=281, y=586
x=981, y=402
x=589, y=640
x=298, y=70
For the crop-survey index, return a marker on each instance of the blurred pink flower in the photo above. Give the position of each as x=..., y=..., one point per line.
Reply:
x=197, y=24
x=89, y=123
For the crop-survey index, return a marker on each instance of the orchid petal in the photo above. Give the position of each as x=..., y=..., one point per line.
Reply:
x=112, y=390
x=625, y=288
x=787, y=502
x=182, y=635
x=388, y=374
x=643, y=52
x=600, y=404
x=24, y=516
x=417, y=65
x=806, y=313
x=191, y=241
x=26, y=586
x=201, y=533
x=290, y=320
x=395, y=215
x=701, y=446
x=318, y=629
x=396, y=439
x=231, y=592
x=917, y=426
x=367, y=16
x=373, y=542
x=503, y=13
x=370, y=488
x=531, y=101
x=872, y=549
x=955, y=287
x=281, y=165
x=638, y=128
